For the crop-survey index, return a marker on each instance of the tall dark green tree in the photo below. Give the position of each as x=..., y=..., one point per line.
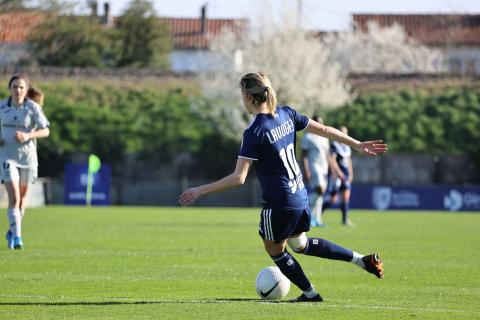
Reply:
x=44, y=5
x=57, y=5
x=69, y=41
x=145, y=41
x=12, y=5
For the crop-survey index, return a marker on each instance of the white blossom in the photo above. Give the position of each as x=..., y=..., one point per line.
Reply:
x=308, y=72
x=383, y=50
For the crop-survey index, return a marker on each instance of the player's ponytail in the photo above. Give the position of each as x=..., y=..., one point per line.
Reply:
x=36, y=95
x=258, y=87
x=271, y=99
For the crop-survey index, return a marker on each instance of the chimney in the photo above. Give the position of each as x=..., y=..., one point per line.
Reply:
x=93, y=8
x=203, y=19
x=107, y=16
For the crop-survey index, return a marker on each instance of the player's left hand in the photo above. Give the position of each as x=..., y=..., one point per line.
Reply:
x=188, y=196
x=372, y=148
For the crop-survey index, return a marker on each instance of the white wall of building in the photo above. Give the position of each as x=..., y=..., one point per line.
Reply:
x=12, y=53
x=463, y=60
x=192, y=61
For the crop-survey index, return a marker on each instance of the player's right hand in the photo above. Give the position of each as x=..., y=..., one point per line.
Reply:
x=188, y=196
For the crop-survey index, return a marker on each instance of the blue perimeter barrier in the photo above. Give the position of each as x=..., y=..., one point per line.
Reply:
x=76, y=176
x=448, y=198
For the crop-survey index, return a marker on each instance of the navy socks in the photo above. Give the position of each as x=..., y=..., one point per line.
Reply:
x=325, y=249
x=344, y=206
x=292, y=270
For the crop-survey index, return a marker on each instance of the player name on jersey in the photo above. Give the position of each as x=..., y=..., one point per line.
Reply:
x=281, y=131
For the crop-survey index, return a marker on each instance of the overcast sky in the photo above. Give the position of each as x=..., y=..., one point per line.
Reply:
x=316, y=14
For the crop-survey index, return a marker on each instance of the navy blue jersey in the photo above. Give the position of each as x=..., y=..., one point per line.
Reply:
x=270, y=141
x=343, y=154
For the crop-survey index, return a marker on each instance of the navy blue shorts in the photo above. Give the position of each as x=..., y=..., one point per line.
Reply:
x=278, y=225
x=336, y=185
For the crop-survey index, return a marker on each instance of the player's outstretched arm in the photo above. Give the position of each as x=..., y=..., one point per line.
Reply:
x=371, y=148
x=234, y=179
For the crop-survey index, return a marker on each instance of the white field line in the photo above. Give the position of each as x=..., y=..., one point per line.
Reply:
x=335, y=304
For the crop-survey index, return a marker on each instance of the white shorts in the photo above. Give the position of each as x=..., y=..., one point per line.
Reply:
x=24, y=176
x=319, y=180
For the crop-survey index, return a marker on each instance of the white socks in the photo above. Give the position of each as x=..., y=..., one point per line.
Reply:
x=15, y=221
x=357, y=259
x=316, y=203
x=310, y=293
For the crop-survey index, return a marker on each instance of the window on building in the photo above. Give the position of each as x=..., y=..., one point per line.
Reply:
x=455, y=66
x=470, y=67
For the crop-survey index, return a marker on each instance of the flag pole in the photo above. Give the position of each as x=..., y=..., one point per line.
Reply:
x=94, y=166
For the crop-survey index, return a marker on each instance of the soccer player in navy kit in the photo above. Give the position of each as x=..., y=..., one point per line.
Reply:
x=341, y=183
x=269, y=141
x=21, y=122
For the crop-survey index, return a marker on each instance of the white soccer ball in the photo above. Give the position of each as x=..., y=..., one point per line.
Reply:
x=272, y=284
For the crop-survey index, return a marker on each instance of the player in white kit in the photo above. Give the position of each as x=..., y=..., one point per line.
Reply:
x=315, y=156
x=21, y=122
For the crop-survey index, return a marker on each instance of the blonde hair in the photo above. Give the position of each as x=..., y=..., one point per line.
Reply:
x=35, y=95
x=257, y=86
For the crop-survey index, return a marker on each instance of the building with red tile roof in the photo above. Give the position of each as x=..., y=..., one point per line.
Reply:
x=429, y=29
x=15, y=26
x=191, y=36
x=457, y=35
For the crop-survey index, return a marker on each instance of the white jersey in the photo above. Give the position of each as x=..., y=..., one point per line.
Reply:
x=26, y=118
x=318, y=151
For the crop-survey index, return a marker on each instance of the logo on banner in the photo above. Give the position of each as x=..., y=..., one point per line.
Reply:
x=453, y=201
x=382, y=196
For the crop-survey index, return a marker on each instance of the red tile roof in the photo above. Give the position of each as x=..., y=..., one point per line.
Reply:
x=16, y=26
x=430, y=29
x=186, y=33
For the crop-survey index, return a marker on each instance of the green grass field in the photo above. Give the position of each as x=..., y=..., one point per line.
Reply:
x=201, y=263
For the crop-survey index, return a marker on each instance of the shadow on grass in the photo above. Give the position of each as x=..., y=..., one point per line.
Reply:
x=112, y=303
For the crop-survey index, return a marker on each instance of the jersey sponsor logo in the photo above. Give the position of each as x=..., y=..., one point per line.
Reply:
x=265, y=294
x=280, y=131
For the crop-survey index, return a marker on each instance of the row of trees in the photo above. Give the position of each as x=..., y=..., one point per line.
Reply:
x=156, y=123
x=136, y=39
x=417, y=121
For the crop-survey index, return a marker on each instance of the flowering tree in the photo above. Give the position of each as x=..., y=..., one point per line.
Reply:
x=308, y=72
x=382, y=50
x=298, y=65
